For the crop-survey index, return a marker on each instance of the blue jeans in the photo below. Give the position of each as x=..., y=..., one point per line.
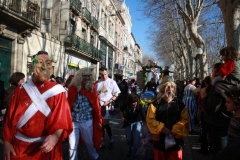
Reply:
x=84, y=130
x=134, y=136
x=219, y=140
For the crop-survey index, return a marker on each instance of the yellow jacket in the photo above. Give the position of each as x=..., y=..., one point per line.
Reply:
x=179, y=130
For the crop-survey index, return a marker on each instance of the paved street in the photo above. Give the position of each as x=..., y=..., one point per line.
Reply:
x=119, y=151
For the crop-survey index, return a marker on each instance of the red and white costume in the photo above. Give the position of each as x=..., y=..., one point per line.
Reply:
x=26, y=133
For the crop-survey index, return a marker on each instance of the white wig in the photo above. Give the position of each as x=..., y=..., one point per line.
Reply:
x=77, y=79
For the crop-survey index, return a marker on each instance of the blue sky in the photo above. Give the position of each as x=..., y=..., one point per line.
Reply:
x=139, y=26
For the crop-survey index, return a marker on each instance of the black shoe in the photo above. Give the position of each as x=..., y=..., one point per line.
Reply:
x=129, y=153
x=102, y=146
x=111, y=144
x=203, y=151
x=193, y=132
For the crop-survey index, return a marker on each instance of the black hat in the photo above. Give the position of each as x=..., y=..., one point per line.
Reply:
x=192, y=79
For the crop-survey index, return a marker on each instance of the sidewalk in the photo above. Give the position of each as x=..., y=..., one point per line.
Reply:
x=119, y=152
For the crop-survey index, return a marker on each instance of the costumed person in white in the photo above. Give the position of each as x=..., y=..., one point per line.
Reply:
x=148, y=73
x=155, y=73
x=108, y=92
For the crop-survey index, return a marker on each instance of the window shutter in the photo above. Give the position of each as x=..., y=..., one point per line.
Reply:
x=56, y=19
x=64, y=21
x=46, y=16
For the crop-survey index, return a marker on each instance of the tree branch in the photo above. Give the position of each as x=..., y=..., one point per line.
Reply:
x=209, y=23
x=215, y=2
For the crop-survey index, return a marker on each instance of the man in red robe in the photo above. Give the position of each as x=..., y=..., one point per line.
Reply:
x=86, y=114
x=39, y=117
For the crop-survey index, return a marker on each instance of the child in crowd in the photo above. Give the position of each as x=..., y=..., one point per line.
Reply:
x=132, y=115
x=231, y=151
x=230, y=70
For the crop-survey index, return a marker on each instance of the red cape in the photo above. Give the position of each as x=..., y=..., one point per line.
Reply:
x=38, y=125
x=96, y=113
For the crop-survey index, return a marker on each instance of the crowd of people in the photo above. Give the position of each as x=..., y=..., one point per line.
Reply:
x=88, y=105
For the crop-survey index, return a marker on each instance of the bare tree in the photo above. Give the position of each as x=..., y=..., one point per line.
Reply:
x=196, y=14
x=230, y=10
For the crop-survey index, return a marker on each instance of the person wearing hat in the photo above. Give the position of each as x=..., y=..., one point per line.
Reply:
x=190, y=102
x=39, y=117
x=86, y=114
x=167, y=116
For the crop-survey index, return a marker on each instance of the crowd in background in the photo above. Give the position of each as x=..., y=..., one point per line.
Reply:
x=154, y=127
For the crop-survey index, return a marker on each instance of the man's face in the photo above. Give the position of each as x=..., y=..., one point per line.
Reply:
x=215, y=72
x=170, y=90
x=85, y=78
x=104, y=74
x=43, y=68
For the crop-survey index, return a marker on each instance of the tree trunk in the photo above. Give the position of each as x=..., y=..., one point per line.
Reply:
x=199, y=42
x=231, y=15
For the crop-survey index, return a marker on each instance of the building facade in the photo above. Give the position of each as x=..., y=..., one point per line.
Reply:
x=75, y=33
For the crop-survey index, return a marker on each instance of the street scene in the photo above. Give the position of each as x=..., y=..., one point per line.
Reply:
x=120, y=79
x=119, y=152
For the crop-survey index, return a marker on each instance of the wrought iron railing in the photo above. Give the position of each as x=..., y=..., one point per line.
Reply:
x=95, y=22
x=32, y=12
x=27, y=9
x=76, y=4
x=86, y=14
x=82, y=45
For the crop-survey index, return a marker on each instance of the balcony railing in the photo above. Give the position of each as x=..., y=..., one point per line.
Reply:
x=76, y=4
x=27, y=9
x=86, y=14
x=95, y=22
x=82, y=45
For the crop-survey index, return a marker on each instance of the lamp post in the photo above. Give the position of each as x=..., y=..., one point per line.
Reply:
x=196, y=56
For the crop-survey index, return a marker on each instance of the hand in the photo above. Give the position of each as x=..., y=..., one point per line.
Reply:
x=49, y=143
x=122, y=119
x=8, y=149
x=105, y=103
x=166, y=131
x=99, y=126
x=203, y=92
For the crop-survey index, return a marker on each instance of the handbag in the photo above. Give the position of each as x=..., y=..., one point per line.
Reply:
x=169, y=141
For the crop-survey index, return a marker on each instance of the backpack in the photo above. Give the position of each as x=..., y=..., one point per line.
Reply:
x=216, y=96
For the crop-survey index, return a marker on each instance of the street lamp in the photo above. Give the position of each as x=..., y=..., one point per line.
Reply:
x=196, y=55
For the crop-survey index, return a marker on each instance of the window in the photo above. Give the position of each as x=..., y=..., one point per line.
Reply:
x=105, y=21
x=93, y=10
x=72, y=27
x=92, y=40
x=109, y=28
x=83, y=34
x=45, y=13
x=63, y=25
x=84, y=3
x=103, y=49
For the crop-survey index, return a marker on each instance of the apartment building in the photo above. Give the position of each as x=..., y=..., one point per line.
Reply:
x=75, y=33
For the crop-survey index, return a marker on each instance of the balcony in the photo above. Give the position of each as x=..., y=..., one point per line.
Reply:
x=94, y=23
x=76, y=6
x=86, y=14
x=77, y=45
x=20, y=13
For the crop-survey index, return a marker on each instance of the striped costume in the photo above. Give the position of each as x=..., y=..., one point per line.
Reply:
x=190, y=103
